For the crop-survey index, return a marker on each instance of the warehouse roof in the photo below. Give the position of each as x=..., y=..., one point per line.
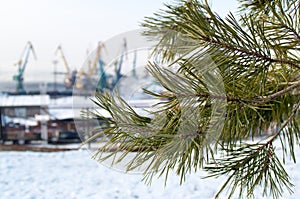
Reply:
x=24, y=100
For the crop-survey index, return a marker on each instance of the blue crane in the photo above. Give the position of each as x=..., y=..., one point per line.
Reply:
x=119, y=64
x=102, y=84
x=19, y=77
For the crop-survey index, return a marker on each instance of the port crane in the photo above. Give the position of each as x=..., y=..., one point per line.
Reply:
x=103, y=83
x=118, y=74
x=19, y=77
x=107, y=80
x=70, y=76
x=85, y=78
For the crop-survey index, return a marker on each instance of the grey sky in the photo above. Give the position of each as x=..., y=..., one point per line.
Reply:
x=75, y=24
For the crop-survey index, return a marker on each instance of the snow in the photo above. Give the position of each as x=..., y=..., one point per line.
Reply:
x=15, y=120
x=73, y=174
x=71, y=107
x=24, y=100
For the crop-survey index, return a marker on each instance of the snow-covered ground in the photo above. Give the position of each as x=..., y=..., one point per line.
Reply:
x=74, y=174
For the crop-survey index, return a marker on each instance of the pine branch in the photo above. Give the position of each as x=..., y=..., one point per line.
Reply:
x=243, y=173
x=245, y=52
x=248, y=67
x=281, y=92
x=293, y=114
x=250, y=166
x=260, y=100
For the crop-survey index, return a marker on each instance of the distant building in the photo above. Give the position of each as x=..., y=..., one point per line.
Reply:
x=18, y=116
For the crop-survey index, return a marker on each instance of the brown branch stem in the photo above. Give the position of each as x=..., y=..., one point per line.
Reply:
x=294, y=111
x=280, y=93
x=259, y=100
x=250, y=53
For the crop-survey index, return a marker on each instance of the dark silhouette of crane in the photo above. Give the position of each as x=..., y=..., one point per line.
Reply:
x=19, y=77
x=118, y=74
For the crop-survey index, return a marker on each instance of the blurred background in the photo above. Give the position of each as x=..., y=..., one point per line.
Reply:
x=48, y=48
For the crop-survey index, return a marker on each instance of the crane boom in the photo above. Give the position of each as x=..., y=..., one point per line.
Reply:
x=22, y=63
x=119, y=65
x=59, y=49
x=96, y=60
x=84, y=78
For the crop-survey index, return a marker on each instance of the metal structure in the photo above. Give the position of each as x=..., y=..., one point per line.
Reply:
x=118, y=68
x=70, y=76
x=85, y=79
x=22, y=63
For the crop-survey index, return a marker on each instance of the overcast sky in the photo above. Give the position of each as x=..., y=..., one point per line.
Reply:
x=75, y=24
